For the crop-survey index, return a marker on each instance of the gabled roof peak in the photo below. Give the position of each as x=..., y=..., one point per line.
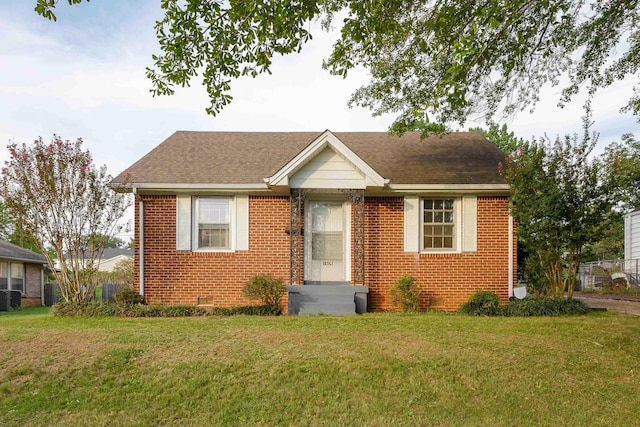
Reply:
x=326, y=140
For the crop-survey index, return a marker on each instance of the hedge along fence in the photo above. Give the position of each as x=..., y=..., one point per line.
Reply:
x=88, y=309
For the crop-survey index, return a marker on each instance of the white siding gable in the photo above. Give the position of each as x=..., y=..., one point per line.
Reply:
x=327, y=170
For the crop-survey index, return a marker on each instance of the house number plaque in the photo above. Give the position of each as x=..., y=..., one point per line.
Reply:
x=327, y=262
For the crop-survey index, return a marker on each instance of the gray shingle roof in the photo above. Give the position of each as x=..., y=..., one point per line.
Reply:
x=13, y=252
x=248, y=157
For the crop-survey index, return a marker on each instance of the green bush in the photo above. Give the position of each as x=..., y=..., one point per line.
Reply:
x=544, y=307
x=128, y=296
x=268, y=290
x=250, y=310
x=183, y=311
x=88, y=309
x=482, y=303
x=405, y=294
x=537, y=283
x=488, y=304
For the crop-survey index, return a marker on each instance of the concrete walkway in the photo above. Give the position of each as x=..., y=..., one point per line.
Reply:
x=620, y=306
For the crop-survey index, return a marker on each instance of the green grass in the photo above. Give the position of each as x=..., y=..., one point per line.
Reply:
x=374, y=370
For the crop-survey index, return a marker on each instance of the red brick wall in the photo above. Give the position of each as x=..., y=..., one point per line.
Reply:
x=446, y=280
x=210, y=278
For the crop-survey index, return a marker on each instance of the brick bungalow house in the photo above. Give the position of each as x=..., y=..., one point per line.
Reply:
x=22, y=270
x=338, y=216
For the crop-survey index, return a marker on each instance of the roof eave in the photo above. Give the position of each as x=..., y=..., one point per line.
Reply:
x=175, y=188
x=488, y=189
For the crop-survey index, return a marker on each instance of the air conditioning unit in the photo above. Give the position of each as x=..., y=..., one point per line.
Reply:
x=10, y=299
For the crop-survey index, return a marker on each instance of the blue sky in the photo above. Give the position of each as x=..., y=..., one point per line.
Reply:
x=83, y=76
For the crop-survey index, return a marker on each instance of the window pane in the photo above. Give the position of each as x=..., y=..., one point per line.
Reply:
x=448, y=242
x=428, y=242
x=448, y=204
x=213, y=236
x=213, y=210
x=448, y=217
x=447, y=230
x=428, y=204
x=428, y=216
x=17, y=284
x=438, y=204
x=437, y=242
x=438, y=217
x=327, y=246
x=17, y=270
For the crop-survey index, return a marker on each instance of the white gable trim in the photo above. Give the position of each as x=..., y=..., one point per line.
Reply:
x=327, y=139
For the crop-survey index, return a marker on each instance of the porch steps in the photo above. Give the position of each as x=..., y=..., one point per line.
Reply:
x=327, y=299
x=328, y=308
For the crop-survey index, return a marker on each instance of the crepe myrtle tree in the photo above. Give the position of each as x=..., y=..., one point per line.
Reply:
x=558, y=204
x=442, y=61
x=61, y=199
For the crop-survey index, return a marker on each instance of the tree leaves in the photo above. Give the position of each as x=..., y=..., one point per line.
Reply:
x=456, y=59
x=60, y=199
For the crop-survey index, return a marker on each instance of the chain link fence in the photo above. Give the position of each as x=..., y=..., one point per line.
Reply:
x=617, y=274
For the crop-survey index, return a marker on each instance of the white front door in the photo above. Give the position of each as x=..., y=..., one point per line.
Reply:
x=326, y=237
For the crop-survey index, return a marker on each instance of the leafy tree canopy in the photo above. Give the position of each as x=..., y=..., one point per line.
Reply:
x=500, y=136
x=59, y=198
x=105, y=241
x=451, y=59
x=623, y=171
x=559, y=204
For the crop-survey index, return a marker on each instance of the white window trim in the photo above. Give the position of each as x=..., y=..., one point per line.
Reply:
x=457, y=226
x=194, y=224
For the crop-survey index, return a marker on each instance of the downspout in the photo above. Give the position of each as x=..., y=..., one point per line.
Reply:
x=510, y=263
x=140, y=240
x=41, y=286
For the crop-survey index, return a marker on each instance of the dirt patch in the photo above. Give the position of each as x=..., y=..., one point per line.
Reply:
x=51, y=350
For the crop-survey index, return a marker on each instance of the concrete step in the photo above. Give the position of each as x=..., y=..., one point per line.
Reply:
x=329, y=299
x=327, y=308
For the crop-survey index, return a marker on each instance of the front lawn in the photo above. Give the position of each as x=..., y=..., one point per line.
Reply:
x=374, y=370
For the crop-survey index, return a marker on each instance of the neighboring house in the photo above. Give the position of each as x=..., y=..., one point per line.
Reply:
x=110, y=258
x=344, y=214
x=632, y=235
x=23, y=270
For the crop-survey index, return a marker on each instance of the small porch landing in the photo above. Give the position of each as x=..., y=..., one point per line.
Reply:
x=327, y=299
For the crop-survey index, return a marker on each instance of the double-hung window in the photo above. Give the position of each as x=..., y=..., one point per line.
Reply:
x=212, y=223
x=17, y=276
x=213, y=219
x=4, y=275
x=439, y=225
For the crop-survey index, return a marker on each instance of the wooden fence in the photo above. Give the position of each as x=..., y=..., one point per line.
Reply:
x=52, y=293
